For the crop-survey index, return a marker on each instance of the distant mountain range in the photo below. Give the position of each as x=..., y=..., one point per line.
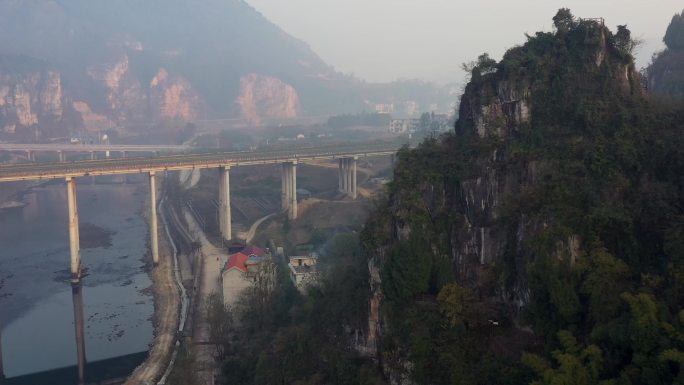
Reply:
x=102, y=63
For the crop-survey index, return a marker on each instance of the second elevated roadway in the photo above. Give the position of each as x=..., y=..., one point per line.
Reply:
x=33, y=171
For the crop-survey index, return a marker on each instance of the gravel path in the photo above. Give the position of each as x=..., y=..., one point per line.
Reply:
x=249, y=235
x=209, y=283
x=166, y=309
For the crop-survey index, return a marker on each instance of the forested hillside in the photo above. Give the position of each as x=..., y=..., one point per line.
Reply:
x=542, y=241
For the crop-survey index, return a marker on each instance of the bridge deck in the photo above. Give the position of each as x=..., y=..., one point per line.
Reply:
x=53, y=170
x=66, y=147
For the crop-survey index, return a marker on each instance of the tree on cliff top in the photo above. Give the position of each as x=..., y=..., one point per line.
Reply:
x=564, y=21
x=665, y=74
x=484, y=65
x=674, y=37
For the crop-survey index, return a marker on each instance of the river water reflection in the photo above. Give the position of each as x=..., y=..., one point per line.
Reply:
x=36, y=307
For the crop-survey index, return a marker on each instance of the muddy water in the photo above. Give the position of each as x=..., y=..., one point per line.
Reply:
x=36, y=309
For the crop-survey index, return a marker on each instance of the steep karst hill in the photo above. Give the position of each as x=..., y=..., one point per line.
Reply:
x=665, y=74
x=543, y=239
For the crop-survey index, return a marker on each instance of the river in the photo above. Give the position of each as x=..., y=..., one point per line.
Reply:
x=36, y=308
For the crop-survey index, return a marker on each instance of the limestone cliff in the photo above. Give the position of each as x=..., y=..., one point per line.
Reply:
x=30, y=96
x=92, y=122
x=173, y=97
x=265, y=97
x=126, y=98
x=478, y=206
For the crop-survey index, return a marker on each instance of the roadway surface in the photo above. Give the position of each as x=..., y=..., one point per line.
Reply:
x=53, y=170
x=67, y=147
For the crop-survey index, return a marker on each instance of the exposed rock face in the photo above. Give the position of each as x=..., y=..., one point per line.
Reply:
x=170, y=97
x=91, y=121
x=30, y=98
x=266, y=97
x=126, y=98
x=173, y=97
x=507, y=108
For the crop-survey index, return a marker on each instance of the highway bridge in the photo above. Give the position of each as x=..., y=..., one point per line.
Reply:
x=91, y=147
x=52, y=170
x=346, y=154
x=62, y=149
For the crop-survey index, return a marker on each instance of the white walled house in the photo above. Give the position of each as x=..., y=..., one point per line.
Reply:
x=303, y=270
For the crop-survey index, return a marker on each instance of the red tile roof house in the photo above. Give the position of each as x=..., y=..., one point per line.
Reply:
x=239, y=272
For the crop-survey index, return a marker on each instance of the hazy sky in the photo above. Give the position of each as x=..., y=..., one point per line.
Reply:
x=381, y=40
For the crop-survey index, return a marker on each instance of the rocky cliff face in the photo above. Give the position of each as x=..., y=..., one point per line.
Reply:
x=92, y=122
x=173, y=97
x=266, y=97
x=119, y=71
x=30, y=97
x=126, y=99
x=480, y=200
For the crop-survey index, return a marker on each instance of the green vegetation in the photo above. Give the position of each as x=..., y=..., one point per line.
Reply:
x=282, y=336
x=580, y=202
x=665, y=74
x=674, y=36
x=540, y=243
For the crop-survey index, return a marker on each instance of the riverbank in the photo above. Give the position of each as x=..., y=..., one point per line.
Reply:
x=167, y=306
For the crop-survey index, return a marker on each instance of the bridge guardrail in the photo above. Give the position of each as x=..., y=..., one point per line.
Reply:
x=39, y=170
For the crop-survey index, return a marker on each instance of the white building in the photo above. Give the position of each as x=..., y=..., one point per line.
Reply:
x=303, y=270
x=400, y=126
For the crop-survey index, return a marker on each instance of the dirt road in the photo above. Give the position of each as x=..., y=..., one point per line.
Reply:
x=209, y=283
x=166, y=309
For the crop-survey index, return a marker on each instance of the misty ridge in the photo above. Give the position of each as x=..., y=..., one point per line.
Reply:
x=101, y=64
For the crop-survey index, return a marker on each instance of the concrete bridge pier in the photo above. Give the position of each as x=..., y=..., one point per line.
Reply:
x=154, y=239
x=353, y=177
x=62, y=156
x=344, y=170
x=347, y=176
x=284, y=187
x=2, y=367
x=340, y=169
x=80, y=331
x=287, y=189
x=225, y=215
x=30, y=155
x=74, y=244
x=92, y=155
x=293, y=191
x=289, y=185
